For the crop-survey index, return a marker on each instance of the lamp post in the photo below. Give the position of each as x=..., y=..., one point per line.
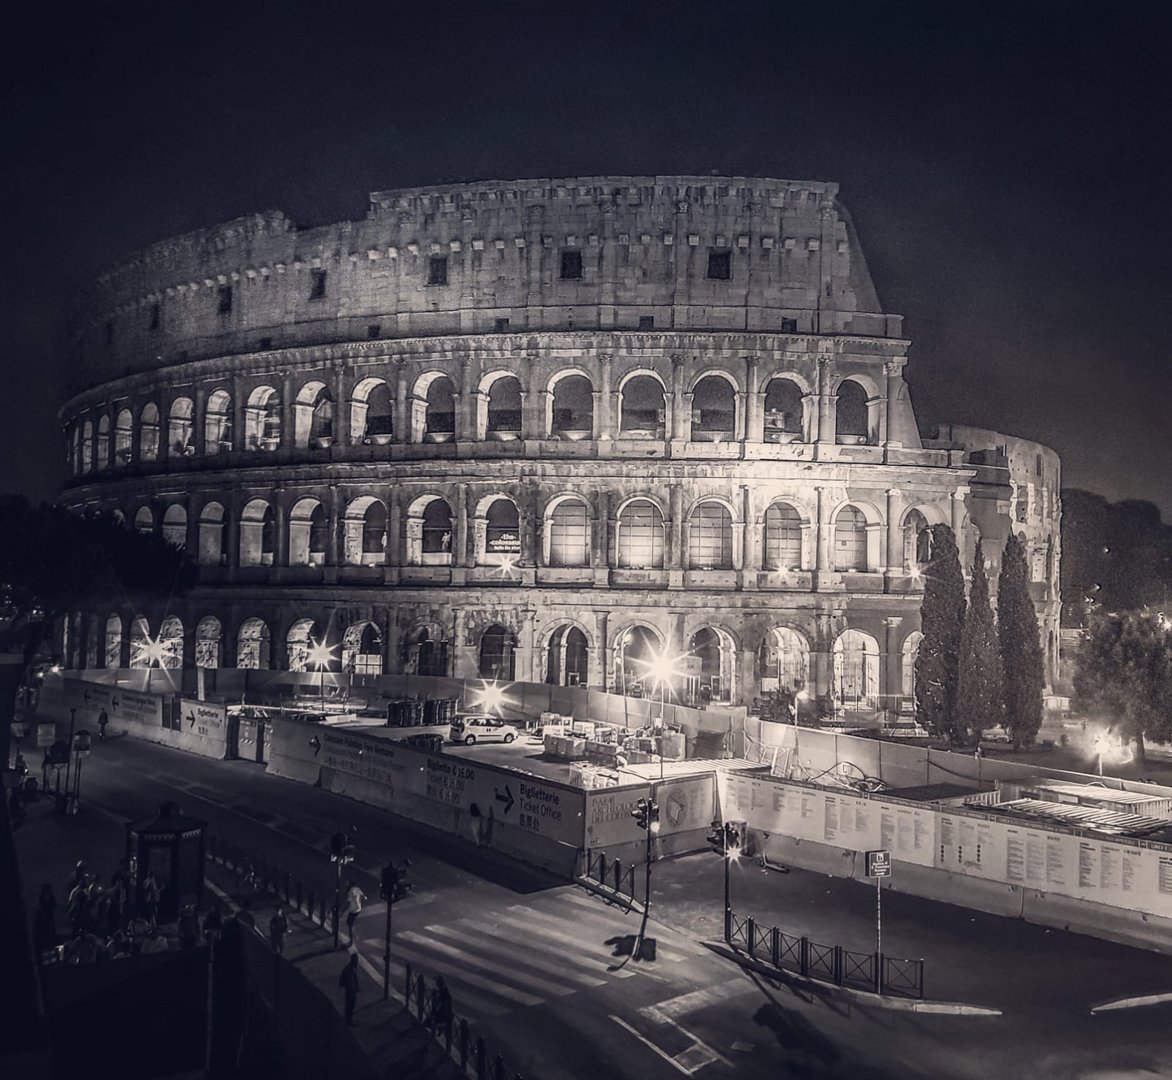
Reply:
x=732, y=852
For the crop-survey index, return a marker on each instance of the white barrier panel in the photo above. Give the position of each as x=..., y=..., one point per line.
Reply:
x=1129, y=874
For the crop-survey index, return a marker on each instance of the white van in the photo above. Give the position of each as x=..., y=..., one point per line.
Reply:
x=473, y=729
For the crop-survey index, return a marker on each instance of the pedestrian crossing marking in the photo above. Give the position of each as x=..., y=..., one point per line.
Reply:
x=501, y=967
x=470, y=940
x=458, y=972
x=667, y=953
x=561, y=943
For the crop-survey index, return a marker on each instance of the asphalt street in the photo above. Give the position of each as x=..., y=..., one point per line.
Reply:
x=542, y=966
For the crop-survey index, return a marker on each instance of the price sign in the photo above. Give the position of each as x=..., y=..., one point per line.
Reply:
x=878, y=863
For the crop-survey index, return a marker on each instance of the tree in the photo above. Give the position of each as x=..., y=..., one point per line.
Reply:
x=1125, y=670
x=1023, y=674
x=978, y=695
x=941, y=622
x=52, y=562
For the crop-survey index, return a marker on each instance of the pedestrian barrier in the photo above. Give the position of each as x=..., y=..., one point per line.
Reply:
x=454, y=1032
x=876, y=972
x=611, y=873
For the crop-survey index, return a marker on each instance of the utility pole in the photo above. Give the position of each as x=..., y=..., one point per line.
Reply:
x=646, y=815
x=341, y=853
x=394, y=886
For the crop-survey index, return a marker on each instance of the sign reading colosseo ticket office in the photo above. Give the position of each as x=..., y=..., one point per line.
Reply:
x=1124, y=873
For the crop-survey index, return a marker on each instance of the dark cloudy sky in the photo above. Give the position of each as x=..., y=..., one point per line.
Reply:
x=1009, y=166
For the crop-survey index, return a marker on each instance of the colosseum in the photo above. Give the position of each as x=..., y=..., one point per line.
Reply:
x=536, y=431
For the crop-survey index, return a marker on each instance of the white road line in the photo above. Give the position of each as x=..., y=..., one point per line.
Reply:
x=648, y=1043
x=1131, y=1003
x=471, y=940
x=498, y=966
x=697, y=999
x=704, y=1048
x=457, y=972
x=561, y=941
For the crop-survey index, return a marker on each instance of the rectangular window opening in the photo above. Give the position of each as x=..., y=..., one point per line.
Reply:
x=720, y=265
x=317, y=284
x=571, y=264
x=266, y=342
x=156, y=316
x=109, y=331
x=373, y=330
x=646, y=322
x=437, y=270
x=501, y=326
x=225, y=299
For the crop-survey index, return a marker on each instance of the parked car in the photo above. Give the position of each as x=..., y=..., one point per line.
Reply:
x=474, y=729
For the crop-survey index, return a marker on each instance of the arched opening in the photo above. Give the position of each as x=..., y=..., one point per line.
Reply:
x=502, y=532
x=572, y=408
x=850, y=540
x=309, y=531
x=372, y=413
x=299, y=641
x=635, y=652
x=425, y=655
x=502, y=408
x=123, y=437
x=639, y=540
x=170, y=645
x=179, y=427
x=783, y=538
x=213, y=535
x=362, y=649
x=917, y=542
x=102, y=449
x=113, y=646
x=429, y=532
x=148, y=432
x=253, y=646
x=87, y=446
x=217, y=429
x=175, y=525
x=313, y=417
x=712, y=679
x=567, y=657
x=262, y=419
x=208, y=640
x=783, y=411
x=257, y=534
x=710, y=535
x=433, y=409
x=907, y=669
x=143, y=653
x=365, y=532
x=642, y=408
x=785, y=661
x=498, y=647
x=856, y=670
x=851, y=413
x=568, y=528
x=714, y=410
x=144, y=520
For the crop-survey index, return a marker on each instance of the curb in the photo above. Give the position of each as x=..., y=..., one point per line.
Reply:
x=1130, y=1003
x=627, y=903
x=938, y=1008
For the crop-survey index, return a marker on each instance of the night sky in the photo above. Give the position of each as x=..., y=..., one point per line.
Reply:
x=1009, y=168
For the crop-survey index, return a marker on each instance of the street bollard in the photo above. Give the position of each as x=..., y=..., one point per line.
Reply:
x=602, y=867
x=464, y=1045
x=775, y=947
x=618, y=876
x=751, y=935
x=481, y=1058
x=838, y=965
x=804, y=956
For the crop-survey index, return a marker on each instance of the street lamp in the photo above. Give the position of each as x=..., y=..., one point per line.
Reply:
x=646, y=815
x=319, y=656
x=491, y=697
x=728, y=836
x=662, y=669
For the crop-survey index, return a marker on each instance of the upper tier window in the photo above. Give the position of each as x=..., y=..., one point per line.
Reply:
x=317, y=284
x=437, y=270
x=571, y=264
x=225, y=299
x=720, y=265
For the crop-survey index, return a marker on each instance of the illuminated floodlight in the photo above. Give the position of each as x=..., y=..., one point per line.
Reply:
x=153, y=652
x=802, y=695
x=320, y=655
x=508, y=563
x=492, y=697
x=663, y=668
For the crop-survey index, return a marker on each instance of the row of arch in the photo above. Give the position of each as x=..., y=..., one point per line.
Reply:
x=114, y=439
x=566, y=532
x=783, y=657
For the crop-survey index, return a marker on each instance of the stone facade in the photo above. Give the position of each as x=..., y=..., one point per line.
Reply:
x=536, y=430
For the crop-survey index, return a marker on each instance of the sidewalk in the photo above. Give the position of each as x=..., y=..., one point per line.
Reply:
x=49, y=845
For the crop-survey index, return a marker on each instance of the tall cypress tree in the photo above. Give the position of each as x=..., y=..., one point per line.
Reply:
x=1023, y=674
x=978, y=695
x=941, y=622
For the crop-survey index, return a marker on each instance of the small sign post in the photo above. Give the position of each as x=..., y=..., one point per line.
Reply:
x=878, y=866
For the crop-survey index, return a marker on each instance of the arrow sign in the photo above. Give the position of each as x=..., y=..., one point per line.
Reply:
x=506, y=798
x=114, y=703
x=315, y=742
x=191, y=719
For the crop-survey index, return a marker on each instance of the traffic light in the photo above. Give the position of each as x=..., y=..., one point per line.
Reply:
x=646, y=815
x=394, y=884
x=715, y=835
x=732, y=838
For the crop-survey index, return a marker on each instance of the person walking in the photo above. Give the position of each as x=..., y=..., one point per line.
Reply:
x=278, y=928
x=188, y=927
x=355, y=898
x=103, y=720
x=348, y=981
x=441, y=1006
x=151, y=894
x=213, y=925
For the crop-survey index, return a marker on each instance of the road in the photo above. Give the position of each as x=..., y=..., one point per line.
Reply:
x=534, y=960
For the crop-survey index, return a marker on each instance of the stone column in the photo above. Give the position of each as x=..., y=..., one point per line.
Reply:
x=232, y=509
x=959, y=513
x=341, y=390
x=600, y=668
x=199, y=422
x=890, y=677
x=754, y=414
x=823, y=564
x=393, y=549
x=823, y=655
x=335, y=544
x=238, y=415
x=287, y=413
x=893, y=556
x=750, y=550
x=678, y=411
x=826, y=432
x=893, y=382
x=392, y=638
x=280, y=528
x=526, y=668
x=465, y=403
x=402, y=422
x=604, y=401
x=882, y=406
x=676, y=538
